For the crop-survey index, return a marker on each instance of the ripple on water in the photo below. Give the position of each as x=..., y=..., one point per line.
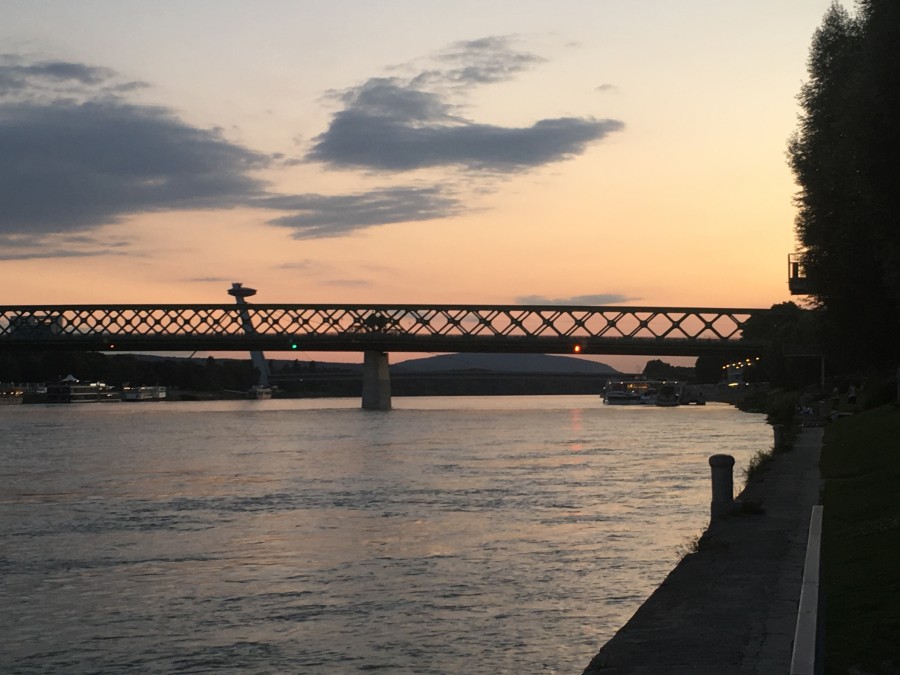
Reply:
x=293, y=537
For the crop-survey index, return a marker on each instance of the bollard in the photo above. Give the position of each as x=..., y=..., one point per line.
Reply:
x=722, y=485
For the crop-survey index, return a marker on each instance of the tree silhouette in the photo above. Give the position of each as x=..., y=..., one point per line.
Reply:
x=845, y=156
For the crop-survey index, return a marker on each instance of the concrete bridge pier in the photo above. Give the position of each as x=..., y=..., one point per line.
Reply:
x=376, y=392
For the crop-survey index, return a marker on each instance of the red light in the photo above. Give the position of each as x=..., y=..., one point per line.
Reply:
x=576, y=348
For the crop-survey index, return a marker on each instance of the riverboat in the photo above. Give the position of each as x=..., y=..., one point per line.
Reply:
x=630, y=392
x=663, y=393
x=143, y=393
x=71, y=390
x=668, y=394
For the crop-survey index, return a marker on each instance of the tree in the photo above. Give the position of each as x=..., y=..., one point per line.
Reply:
x=656, y=369
x=793, y=357
x=845, y=156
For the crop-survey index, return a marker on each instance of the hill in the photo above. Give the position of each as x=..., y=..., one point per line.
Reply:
x=503, y=363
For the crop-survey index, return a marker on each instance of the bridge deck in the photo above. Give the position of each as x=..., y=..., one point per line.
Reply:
x=386, y=328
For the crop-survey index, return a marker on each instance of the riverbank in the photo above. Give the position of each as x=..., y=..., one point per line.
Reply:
x=730, y=606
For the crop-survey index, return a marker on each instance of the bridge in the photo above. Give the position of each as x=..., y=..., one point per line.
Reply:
x=379, y=329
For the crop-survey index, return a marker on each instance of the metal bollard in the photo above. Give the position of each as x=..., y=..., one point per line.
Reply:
x=722, y=485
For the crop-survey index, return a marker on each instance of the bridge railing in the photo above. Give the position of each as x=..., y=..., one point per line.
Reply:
x=545, y=328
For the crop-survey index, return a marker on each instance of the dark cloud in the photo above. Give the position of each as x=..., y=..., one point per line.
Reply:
x=50, y=253
x=315, y=216
x=382, y=97
x=16, y=77
x=483, y=61
x=39, y=246
x=72, y=162
x=54, y=79
x=598, y=299
x=395, y=124
x=77, y=153
x=74, y=166
x=359, y=138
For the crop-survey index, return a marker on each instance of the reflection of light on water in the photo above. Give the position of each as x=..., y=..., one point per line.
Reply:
x=577, y=426
x=523, y=530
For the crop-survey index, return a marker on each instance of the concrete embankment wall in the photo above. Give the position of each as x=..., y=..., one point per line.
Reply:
x=730, y=607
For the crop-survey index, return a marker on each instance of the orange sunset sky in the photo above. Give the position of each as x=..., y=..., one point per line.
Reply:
x=489, y=152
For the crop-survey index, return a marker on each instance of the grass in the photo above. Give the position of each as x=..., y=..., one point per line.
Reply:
x=758, y=463
x=688, y=546
x=861, y=543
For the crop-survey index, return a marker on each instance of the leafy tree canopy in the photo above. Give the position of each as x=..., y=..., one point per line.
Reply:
x=845, y=155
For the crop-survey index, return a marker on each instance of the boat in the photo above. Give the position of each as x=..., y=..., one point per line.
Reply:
x=71, y=390
x=668, y=394
x=630, y=392
x=155, y=393
x=665, y=393
x=693, y=397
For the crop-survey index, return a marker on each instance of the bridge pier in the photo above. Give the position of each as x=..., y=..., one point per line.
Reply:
x=376, y=392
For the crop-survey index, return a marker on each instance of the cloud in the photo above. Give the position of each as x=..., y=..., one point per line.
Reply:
x=49, y=253
x=599, y=299
x=77, y=153
x=316, y=216
x=305, y=265
x=50, y=80
x=38, y=247
x=71, y=166
x=209, y=280
x=482, y=61
x=397, y=124
x=359, y=138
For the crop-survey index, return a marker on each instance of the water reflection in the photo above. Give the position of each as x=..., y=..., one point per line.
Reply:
x=504, y=534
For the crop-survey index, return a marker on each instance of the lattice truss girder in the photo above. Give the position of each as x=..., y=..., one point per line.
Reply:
x=340, y=320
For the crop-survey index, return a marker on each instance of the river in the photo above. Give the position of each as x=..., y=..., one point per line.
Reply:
x=449, y=535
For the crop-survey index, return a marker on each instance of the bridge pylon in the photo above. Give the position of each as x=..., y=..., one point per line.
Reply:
x=240, y=293
x=376, y=393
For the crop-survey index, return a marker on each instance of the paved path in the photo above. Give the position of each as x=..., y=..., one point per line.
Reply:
x=732, y=607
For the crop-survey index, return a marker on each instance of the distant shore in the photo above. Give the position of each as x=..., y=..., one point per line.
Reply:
x=349, y=385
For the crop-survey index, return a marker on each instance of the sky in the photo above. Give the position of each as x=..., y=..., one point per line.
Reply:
x=591, y=152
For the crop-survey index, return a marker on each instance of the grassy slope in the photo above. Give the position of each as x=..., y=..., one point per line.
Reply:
x=861, y=465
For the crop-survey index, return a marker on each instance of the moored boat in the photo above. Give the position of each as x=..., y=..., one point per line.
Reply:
x=71, y=390
x=663, y=393
x=668, y=394
x=154, y=393
x=630, y=392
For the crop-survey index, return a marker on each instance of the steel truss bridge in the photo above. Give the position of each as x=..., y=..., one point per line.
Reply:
x=544, y=329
